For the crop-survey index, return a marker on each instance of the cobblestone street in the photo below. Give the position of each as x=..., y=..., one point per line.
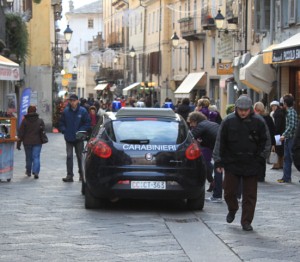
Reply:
x=45, y=220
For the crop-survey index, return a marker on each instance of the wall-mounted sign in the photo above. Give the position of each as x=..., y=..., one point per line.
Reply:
x=224, y=68
x=286, y=54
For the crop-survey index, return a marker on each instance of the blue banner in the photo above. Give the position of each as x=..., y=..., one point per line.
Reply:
x=24, y=104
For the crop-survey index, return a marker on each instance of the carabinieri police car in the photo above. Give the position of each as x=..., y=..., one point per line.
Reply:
x=143, y=153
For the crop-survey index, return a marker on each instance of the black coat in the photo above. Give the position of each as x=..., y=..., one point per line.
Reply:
x=183, y=110
x=30, y=129
x=271, y=126
x=242, y=145
x=207, y=132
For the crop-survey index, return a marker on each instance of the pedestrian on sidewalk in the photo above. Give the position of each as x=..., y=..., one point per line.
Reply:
x=259, y=109
x=279, y=122
x=205, y=132
x=291, y=122
x=73, y=119
x=29, y=134
x=241, y=149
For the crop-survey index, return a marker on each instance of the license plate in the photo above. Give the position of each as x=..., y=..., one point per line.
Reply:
x=148, y=185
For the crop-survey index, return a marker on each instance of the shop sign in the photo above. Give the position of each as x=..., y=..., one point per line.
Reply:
x=286, y=54
x=224, y=68
x=9, y=73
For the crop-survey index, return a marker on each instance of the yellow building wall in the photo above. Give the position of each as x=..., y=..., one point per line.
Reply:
x=39, y=34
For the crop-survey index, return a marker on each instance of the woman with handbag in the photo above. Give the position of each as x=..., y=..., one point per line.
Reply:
x=30, y=133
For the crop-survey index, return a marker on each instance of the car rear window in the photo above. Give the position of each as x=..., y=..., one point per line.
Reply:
x=154, y=132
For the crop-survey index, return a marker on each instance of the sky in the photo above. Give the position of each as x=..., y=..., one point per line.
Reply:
x=65, y=4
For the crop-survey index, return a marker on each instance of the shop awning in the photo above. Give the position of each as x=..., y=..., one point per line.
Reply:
x=126, y=89
x=288, y=50
x=101, y=86
x=267, y=54
x=188, y=84
x=9, y=70
x=258, y=76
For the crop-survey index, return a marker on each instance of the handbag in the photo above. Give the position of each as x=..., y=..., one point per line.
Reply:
x=43, y=135
x=273, y=158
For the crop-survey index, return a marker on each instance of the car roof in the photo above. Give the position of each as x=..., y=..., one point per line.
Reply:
x=126, y=112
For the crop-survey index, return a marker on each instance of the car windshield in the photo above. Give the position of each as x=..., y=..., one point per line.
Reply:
x=149, y=132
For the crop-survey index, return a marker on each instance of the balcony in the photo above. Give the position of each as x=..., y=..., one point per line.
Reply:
x=119, y=4
x=110, y=75
x=188, y=29
x=115, y=39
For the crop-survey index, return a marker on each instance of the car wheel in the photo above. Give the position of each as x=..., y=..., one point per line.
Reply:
x=92, y=202
x=197, y=203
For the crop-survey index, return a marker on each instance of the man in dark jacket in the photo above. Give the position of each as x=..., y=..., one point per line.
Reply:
x=205, y=132
x=184, y=108
x=73, y=119
x=242, y=146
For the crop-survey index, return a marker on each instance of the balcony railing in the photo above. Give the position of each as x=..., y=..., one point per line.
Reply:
x=115, y=39
x=189, y=29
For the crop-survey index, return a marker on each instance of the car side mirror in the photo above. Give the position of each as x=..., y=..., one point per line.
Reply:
x=82, y=135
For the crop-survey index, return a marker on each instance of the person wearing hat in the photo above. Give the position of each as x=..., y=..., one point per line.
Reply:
x=278, y=115
x=73, y=119
x=29, y=134
x=241, y=149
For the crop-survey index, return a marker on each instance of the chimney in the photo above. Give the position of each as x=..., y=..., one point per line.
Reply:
x=71, y=6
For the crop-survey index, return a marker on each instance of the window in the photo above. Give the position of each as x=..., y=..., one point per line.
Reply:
x=149, y=23
x=292, y=11
x=213, y=55
x=158, y=132
x=158, y=22
x=153, y=24
x=141, y=23
x=285, y=14
x=262, y=12
x=91, y=23
x=278, y=13
x=298, y=12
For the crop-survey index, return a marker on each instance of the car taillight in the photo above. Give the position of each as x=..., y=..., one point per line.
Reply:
x=100, y=149
x=193, y=151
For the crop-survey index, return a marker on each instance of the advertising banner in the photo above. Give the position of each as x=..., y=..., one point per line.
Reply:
x=24, y=104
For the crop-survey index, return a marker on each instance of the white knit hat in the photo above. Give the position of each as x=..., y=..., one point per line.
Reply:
x=274, y=103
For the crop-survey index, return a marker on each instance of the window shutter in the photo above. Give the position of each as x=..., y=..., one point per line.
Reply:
x=278, y=13
x=292, y=11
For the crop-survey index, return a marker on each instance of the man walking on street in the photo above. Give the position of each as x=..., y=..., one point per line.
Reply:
x=291, y=122
x=242, y=146
x=74, y=118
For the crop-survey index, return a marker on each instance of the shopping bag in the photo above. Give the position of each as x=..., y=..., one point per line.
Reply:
x=273, y=158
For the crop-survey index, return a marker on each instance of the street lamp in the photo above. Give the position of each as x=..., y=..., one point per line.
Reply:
x=219, y=20
x=68, y=33
x=175, y=40
x=132, y=52
x=67, y=54
x=74, y=69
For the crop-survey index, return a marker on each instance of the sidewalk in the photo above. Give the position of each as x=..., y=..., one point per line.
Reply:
x=276, y=222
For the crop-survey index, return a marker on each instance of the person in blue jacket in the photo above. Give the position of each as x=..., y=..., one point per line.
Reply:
x=73, y=119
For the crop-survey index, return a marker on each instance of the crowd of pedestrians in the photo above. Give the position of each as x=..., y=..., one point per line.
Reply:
x=235, y=148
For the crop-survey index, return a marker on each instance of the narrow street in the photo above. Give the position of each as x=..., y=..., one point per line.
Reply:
x=45, y=220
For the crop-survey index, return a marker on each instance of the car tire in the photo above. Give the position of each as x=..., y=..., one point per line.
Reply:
x=197, y=203
x=92, y=202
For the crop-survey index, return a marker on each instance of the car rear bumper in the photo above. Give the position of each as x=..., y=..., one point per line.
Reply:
x=187, y=186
